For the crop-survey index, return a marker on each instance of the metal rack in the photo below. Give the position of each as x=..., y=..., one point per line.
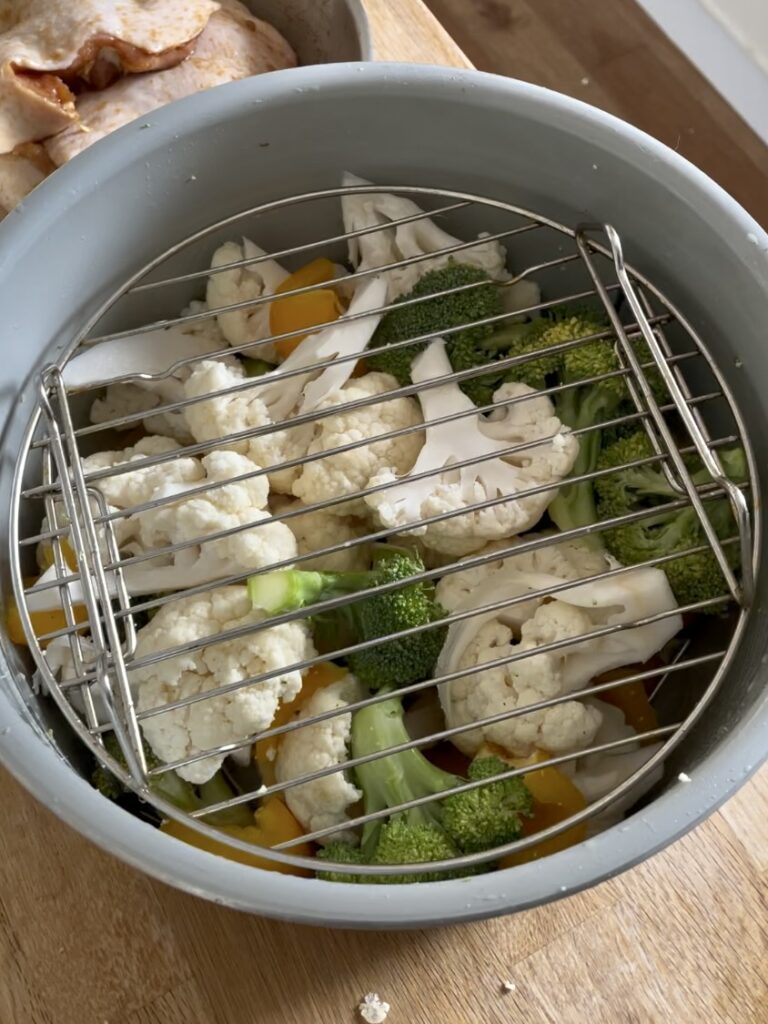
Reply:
x=77, y=511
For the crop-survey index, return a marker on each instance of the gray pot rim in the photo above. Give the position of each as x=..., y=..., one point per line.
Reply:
x=38, y=767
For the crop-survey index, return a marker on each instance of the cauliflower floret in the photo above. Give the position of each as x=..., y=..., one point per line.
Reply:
x=568, y=559
x=171, y=476
x=241, y=284
x=529, y=624
x=325, y=801
x=568, y=726
x=150, y=354
x=473, y=437
x=58, y=655
x=231, y=413
x=275, y=396
x=121, y=400
x=228, y=717
x=346, y=472
x=189, y=520
x=317, y=530
x=393, y=244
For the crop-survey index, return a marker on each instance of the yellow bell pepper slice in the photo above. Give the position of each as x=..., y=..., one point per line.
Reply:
x=51, y=619
x=297, y=312
x=273, y=824
x=555, y=798
x=632, y=699
x=45, y=552
x=316, y=678
x=43, y=622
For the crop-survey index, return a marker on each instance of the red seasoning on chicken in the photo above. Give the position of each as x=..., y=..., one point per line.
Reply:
x=49, y=50
x=20, y=172
x=234, y=45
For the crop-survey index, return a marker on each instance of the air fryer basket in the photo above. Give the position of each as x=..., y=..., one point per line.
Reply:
x=651, y=248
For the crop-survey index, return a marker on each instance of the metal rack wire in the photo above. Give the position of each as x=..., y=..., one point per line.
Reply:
x=103, y=649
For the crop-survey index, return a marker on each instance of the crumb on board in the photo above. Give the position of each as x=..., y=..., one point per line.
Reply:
x=508, y=986
x=683, y=777
x=372, y=1009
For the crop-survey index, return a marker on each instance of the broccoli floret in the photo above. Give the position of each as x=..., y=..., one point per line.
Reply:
x=580, y=407
x=466, y=822
x=488, y=816
x=402, y=841
x=390, y=663
x=169, y=785
x=525, y=339
x=618, y=493
x=466, y=353
x=434, y=317
x=398, y=842
x=634, y=486
x=341, y=853
x=103, y=779
x=173, y=788
x=590, y=360
x=514, y=340
x=397, y=778
x=693, y=578
x=411, y=836
x=618, y=432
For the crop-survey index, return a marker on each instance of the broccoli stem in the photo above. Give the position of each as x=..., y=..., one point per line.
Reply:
x=507, y=338
x=290, y=589
x=171, y=787
x=580, y=408
x=277, y=592
x=215, y=791
x=398, y=778
x=472, y=820
x=175, y=790
x=378, y=617
x=189, y=798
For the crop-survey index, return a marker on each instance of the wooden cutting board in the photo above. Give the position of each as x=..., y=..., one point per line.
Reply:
x=681, y=939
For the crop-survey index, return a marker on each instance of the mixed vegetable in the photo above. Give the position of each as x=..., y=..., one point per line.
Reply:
x=443, y=508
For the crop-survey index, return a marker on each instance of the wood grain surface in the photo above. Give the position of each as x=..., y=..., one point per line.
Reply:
x=682, y=939
x=609, y=53
x=405, y=30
